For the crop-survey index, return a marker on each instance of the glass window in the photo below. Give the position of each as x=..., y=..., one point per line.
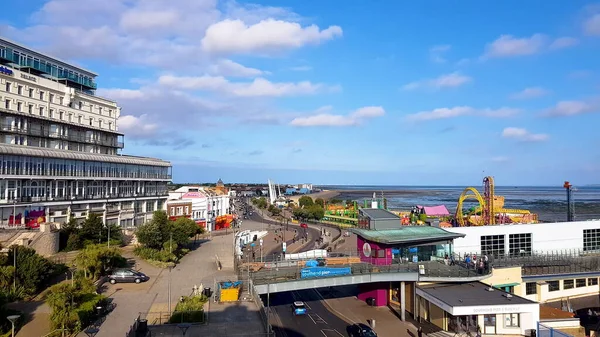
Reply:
x=580, y=282
x=591, y=239
x=8, y=84
x=511, y=320
x=489, y=320
x=593, y=281
x=530, y=288
x=492, y=245
x=553, y=285
x=568, y=284
x=20, y=90
x=520, y=244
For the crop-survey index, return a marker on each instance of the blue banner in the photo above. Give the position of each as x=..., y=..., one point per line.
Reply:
x=324, y=272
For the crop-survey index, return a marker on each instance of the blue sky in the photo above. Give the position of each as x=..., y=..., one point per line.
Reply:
x=341, y=92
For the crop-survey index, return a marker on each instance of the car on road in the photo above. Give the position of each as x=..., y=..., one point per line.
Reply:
x=361, y=330
x=127, y=276
x=303, y=225
x=298, y=308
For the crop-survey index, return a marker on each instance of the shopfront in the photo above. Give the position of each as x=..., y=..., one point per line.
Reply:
x=473, y=307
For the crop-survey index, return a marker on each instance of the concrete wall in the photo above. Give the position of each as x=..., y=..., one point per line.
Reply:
x=46, y=242
x=379, y=291
x=506, y=276
x=543, y=236
x=544, y=295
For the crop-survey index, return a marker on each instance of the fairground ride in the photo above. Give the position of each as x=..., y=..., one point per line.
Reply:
x=490, y=210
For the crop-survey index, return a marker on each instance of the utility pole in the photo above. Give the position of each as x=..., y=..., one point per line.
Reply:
x=108, y=226
x=15, y=268
x=570, y=204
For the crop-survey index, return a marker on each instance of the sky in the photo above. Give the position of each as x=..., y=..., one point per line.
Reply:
x=341, y=92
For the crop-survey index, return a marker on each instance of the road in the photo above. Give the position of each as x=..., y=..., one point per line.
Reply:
x=319, y=321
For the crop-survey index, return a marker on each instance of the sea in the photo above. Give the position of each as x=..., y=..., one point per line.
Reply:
x=550, y=203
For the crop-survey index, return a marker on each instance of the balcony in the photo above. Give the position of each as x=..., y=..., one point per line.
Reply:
x=91, y=197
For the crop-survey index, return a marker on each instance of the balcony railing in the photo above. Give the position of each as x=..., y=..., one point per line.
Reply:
x=86, y=197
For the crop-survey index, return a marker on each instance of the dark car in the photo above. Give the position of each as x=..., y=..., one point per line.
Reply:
x=361, y=330
x=127, y=276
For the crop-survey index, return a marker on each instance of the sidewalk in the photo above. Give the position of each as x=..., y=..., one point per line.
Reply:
x=352, y=310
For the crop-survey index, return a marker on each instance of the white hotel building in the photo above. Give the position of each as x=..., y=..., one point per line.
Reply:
x=59, y=147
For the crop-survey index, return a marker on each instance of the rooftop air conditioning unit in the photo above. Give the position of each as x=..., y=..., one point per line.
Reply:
x=508, y=296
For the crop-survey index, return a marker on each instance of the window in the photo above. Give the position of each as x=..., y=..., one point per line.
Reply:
x=42, y=95
x=489, y=320
x=511, y=320
x=80, y=105
x=31, y=92
x=41, y=111
x=580, y=282
x=7, y=104
x=173, y=211
x=591, y=239
x=110, y=125
x=568, y=284
x=19, y=106
x=79, y=120
x=61, y=115
x=51, y=113
x=530, y=288
x=8, y=84
x=553, y=285
x=100, y=123
x=593, y=281
x=70, y=117
x=100, y=110
x=520, y=244
x=492, y=245
x=20, y=90
x=91, y=108
x=51, y=98
x=30, y=108
x=60, y=100
x=91, y=121
x=187, y=210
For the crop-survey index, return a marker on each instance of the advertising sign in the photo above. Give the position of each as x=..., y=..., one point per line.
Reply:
x=324, y=272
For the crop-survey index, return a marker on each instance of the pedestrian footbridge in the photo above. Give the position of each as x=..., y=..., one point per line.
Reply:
x=274, y=278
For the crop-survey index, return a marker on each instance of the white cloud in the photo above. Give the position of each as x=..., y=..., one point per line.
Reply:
x=458, y=111
x=592, y=25
x=528, y=93
x=266, y=37
x=229, y=68
x=572, y=108
x=521, y=134
x=436, y=53
x=257, y=88
x=508, y=46
x=564, y=42
x=326, y=119
x=165, y=34
x=444, y=81
x=136, y=127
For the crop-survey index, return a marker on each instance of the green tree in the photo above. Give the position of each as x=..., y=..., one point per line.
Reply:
x=91, y=229
x=33, y=270
x=262, y=203
x=96, y=260
x=7, y=274
x=182, y=229
x=335, y=201
x=320, y=202
x=315, y=212
x=301, y=213
x=305, y=201
x=155, y=232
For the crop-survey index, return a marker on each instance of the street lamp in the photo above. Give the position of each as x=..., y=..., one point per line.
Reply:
x=171, y=265
x=15, y=210
x=13, y=319
x=15, y=267
x=184, y=327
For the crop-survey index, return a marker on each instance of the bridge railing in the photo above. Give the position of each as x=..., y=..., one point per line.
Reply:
x=431, y=269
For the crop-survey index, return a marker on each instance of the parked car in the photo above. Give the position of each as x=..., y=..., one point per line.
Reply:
x=127, y=276
x=361, y=330
x=303, y=225
x=298, y=308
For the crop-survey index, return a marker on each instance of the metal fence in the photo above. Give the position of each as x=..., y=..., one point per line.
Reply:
x=546, y=331
x=264, y=313
x=164, y=317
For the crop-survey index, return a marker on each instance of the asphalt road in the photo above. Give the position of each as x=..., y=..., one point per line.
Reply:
x=318, y=321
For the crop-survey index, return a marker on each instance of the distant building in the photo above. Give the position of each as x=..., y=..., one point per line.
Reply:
x=207, y=204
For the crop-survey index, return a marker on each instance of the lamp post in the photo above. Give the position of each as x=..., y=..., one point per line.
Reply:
x=13, y=319
x=15, y=267
x=91, y=332
x=15, y=208
x=108, y=227
x=169, y=293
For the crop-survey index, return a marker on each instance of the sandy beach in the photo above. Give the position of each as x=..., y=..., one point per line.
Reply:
x=325, y=195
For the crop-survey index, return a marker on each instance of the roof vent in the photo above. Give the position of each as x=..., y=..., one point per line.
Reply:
x=489, y=289
x=509, y=296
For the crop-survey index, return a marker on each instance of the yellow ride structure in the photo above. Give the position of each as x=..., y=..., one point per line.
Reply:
x=491, y=208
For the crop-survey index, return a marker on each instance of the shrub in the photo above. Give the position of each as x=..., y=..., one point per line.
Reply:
x=97, y=260
x=189, y=310
x=73, y=306
x=154, y=254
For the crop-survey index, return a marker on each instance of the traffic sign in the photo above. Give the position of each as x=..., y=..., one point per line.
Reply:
x=284, y=246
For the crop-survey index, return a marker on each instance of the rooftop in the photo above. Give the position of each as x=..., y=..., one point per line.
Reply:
x=471, y=294
x=379, y=214
x=76, y=155
x=407, y=234
x=13, y=44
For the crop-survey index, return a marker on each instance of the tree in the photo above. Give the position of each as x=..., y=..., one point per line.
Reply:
x=33, y=270
x=305, y=201
x=96, y=260
x=301, y=213
x=316, y=212
x=91, y=229
x=183, y=229
x=320, y=202
x=262, y=203
x=155, y=232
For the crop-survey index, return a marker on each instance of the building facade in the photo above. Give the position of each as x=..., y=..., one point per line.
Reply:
x=59, y=148
x=208, y=205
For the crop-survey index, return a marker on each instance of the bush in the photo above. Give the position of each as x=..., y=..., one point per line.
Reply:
x=33, y=271
x=189, y=310
x=97, y=260
x=73, y=306
x=154, y=254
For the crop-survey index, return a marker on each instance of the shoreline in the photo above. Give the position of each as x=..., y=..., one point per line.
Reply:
x=324, y=194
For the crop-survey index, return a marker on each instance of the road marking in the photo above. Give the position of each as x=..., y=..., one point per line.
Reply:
x=296, y=296
x=317, y=319
x=330, y=333
x=331, y=309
